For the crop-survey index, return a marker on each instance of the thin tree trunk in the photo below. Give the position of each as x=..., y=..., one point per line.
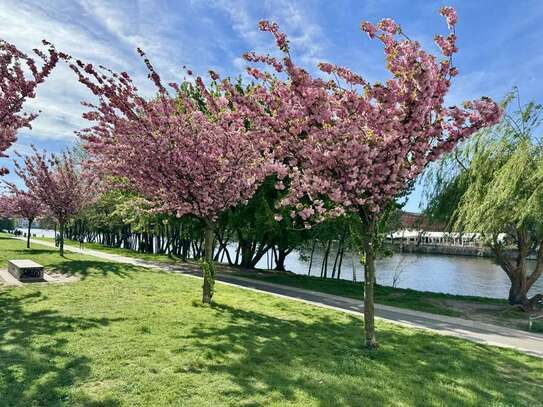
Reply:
x=61, y=239
x=311, y=257
x=368, y=241
x=280, y=257
x=336, y=260
x=340, y=263
x=208, y=267
x=258, y=254
x=324, y=268
x=28, y=237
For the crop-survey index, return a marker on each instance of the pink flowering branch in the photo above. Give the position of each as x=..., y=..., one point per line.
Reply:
x=359, y=147
x=17, y=86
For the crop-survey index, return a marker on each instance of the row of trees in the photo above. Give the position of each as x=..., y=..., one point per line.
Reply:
x=245, y=235
x=55, y=187
x=329, y=147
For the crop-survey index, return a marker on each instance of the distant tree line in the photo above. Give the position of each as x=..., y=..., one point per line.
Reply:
x=245, y=235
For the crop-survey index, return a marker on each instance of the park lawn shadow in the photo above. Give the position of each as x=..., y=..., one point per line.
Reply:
x=32, y=252
x=86, y=268
x=35, y=367
x=277, y=359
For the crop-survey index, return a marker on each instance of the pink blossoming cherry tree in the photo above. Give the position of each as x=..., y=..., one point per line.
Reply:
x=347, y=145
x=189, y=153
x=19, y=78
x=21, y=204
x=58, y=183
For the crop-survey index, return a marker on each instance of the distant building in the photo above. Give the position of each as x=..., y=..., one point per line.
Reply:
x=418, y=221
x=417, y=234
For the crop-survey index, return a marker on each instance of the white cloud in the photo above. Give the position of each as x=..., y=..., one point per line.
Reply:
x=307, y=41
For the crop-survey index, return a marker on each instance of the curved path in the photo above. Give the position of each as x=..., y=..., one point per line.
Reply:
x=527, y=342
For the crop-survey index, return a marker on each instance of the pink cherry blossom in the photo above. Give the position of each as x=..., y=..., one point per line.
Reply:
x=447, y=44
x=57, y=183
x=21, y=204
x=195, y=153
x=450, y=15
x=357, y=147
x=388, y=25
x=19, y=77
x=369, y=28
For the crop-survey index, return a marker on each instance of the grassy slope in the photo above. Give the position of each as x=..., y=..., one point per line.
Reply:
x=436, y=303
x=398, y=297
x=128, y=336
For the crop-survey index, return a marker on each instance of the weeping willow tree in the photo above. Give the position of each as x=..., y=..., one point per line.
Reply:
x=493, y=185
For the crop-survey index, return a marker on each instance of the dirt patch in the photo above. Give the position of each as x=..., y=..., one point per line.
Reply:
x=51, y=277
x=496, y=314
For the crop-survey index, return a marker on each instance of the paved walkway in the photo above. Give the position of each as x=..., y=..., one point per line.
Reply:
x=530, y=343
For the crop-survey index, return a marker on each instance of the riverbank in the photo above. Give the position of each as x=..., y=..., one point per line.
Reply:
x=482, y=309
x=449, y=274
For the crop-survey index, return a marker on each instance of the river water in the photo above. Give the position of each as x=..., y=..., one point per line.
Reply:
x=462, y=275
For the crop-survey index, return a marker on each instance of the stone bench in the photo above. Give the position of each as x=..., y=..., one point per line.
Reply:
x=25, y=270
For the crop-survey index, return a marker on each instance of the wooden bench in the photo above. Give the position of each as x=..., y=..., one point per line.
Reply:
x=25, y=270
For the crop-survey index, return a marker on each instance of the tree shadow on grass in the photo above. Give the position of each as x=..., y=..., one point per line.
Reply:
x=32, y=252
x=86, y=268
x=324, y=358
x=35, y=367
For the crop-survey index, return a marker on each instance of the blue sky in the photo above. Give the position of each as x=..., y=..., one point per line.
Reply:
x=500, y=44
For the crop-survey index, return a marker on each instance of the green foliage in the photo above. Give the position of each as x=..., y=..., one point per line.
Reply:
x=254, y=220
x=494, y=182
x=7, y=224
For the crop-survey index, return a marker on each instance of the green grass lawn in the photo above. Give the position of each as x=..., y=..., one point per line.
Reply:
x=397, y=297
x=163, y=258
x=133, y=337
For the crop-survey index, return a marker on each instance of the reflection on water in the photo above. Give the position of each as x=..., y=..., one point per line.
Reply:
x=462, y=275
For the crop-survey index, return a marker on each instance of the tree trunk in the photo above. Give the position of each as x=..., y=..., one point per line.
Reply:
x=247, y=252
x=324, y=266
x=368, y=241
x=280, y=258
x=208, y=267
x=260, y=251
x=517, y=273
x=340, y=245
x=518, y=293
x=311, y=257
x=340, y=263
x=28, y=236
x=61, y=239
